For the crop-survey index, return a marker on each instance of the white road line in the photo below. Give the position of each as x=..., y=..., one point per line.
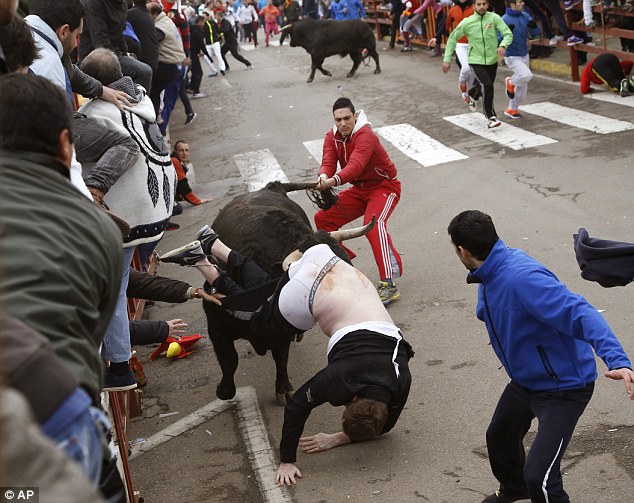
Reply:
x=257, y=440
x=253, y=432
x=316, y=149
x=612, y=98
x=577, y=118
x=510, y=136
x=259, y=168
x=418, y=146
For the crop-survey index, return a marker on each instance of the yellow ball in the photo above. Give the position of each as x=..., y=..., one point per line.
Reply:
x=174, y=349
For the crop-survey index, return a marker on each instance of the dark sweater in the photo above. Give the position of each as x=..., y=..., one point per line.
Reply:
x=143, y=25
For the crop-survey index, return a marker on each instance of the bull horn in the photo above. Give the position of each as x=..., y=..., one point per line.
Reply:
x=294, y=256
x=342, y=235
x=286, y=27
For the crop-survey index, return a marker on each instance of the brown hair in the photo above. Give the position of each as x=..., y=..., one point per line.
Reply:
x=364, y=419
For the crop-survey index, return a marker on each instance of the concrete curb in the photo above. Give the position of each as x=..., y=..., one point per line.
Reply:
x=550, y=67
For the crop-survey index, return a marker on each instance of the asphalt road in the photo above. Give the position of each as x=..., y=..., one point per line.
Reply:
x=538, y=197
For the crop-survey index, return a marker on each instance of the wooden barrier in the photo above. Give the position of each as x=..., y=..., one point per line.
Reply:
x=380, y=17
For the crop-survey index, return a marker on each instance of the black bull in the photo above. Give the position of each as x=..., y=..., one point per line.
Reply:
x=327, y=37
x=266, y=226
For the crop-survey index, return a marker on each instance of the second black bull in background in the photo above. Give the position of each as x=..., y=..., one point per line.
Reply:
x=327, y=38
x=266, y=226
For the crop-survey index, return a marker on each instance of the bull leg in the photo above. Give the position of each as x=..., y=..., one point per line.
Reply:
x=356, y=61
x=283, y=386
x=228, y=360
x=317, y=63
x=375, y=57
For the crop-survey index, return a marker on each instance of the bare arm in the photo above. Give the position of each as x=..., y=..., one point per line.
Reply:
x=323, y=442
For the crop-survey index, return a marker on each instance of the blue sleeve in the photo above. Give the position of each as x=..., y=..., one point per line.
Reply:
x=548, y=300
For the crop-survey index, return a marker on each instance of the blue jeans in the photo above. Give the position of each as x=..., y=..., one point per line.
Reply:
x=116, y=342
x=80, y=437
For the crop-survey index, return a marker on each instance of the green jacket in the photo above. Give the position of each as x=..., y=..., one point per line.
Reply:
x=483, y=39
x=60, y=262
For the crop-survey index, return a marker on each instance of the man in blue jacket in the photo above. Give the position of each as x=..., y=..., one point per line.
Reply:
x=516, y=57
x=544, y=335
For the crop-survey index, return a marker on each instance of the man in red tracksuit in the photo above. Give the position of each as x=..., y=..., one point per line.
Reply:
x=607, y=69
x=375, y=190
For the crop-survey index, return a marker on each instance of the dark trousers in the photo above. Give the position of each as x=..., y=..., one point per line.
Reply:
x=608, y=68
x=539, y=472
x=232, y=47
x=486, y=75
x=163, y=77
x=558, y=15
x=138, y=71
x=197, y=74
x=176, y=89
x=250, y=31
x=541, y=14
x=396, y=24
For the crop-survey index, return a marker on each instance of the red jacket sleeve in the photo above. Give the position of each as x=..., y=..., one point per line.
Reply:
x=627, y=67
x=585, y=79
x=329, y=156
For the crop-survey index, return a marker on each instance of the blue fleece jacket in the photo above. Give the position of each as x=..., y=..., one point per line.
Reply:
x=542, y=332
x=518, y=22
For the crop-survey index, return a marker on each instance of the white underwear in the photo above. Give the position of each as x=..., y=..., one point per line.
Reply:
x=296, y=298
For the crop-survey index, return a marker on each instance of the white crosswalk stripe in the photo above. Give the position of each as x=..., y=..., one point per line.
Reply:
x=612, y=98
x=259, y=168
x=316, y=149
x=512, y=137
x=418, y=146
x=577, y=118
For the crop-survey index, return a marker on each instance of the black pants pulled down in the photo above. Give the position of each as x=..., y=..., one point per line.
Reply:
x=539, y=472
x=608, y=68
x=486, y=75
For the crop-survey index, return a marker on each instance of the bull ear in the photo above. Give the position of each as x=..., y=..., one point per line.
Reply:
x=286, y=27
x=342, y=235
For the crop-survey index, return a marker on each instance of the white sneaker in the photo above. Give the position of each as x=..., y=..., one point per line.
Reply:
x=555, y=40
x=493, y=122
x=473, y=104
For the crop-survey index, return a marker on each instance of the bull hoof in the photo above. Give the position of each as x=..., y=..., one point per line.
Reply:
x=299, y=337
x=377, y=71
x=328, y=74
x=351, y=74
x=226, y=391
x=309, y=81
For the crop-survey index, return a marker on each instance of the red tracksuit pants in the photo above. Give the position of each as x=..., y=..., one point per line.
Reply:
x=379, y=200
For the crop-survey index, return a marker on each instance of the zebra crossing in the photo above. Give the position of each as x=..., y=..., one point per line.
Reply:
x=261, y=167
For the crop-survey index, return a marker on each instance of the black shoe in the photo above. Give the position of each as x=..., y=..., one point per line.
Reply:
x=118, y=383
x=498, y=497
x=177, y=209
x=188, y=255
x=171, y=226
x=206, y=236
x=190, y=118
